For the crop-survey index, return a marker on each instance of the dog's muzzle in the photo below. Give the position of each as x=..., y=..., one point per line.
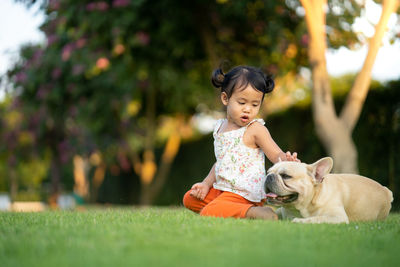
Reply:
x=276, y=194
x=270, y=183
x=270, y=178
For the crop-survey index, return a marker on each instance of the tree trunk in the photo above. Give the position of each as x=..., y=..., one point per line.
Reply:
x=147, y=173
x=151, y=191
x=98, y=178
x=55, y=172
x=13, y=183
x=334, y=132
x=202, y=15
x=81, y=183
x=148, y=167
x=152, y=178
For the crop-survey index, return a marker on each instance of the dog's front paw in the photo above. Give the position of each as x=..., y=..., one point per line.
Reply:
x=321, y=219
x=299, y=220
x=306, y=220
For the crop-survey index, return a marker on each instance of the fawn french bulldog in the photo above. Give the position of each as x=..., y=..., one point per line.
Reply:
x=311, y=194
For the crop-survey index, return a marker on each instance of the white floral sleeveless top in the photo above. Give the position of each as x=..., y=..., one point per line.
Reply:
x=239, y=169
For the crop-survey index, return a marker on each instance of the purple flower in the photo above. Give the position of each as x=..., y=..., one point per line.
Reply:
x=35, y=119
x=121, y=3
x=66, y=52
x=102, y=6
x=36, y=58
x=304, y=40
x=42, y=93
x=16, y=103
x=56, y=73
x=54, y=4
x=81, y=43
x=91, y=6
x=73, y=111
x=123, y=161
x=51, y=39
x=63, y=148
x=143, y=38
x=77, y=69
x=21, y=77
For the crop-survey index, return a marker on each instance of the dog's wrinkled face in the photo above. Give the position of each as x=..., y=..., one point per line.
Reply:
x=289, y=182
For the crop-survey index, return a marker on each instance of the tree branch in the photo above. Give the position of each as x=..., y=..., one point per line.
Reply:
x=356, y=98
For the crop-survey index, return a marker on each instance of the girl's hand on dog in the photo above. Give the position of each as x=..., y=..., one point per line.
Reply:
x=292, y=157
x=200, y=190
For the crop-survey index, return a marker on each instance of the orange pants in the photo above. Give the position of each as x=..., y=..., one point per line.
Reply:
x=219, y=203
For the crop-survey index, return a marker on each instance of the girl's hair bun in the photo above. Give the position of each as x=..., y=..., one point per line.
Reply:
x=217, y=78
x=269, y=84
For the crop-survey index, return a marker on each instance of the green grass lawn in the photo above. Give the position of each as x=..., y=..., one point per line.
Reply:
x=177, y=237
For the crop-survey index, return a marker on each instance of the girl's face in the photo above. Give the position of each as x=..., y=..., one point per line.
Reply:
x=243, y=105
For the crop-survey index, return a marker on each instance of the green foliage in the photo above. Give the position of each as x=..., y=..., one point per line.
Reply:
x=177, y=237
x=33, y=172
x=20, y=160
x=112, y=70
x=340, y=16
x=377, y=137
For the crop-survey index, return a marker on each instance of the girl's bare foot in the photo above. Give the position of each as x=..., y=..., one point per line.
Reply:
x=264, y=213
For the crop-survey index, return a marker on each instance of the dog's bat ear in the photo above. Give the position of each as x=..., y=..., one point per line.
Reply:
x=321, y=168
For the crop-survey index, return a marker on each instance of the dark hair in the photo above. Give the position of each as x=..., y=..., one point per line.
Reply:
x=240, y=77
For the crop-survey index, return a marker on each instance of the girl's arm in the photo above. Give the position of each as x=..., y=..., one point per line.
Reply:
x=210, y=179
x=200, y=190
x=263, y=139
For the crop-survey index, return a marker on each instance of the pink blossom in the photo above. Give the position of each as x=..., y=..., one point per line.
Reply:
x=143, y=38
x=35, y=118
x=38, y=54
x=56, y=73
x=102, y=63
x=51, y=39
x=36, y=58
x=67, y=51
x=119, y=49
x=123, y=161
x=42, y=93
x=121, y=3
x=16, y=103
x=81, y=43
x=304, y=40
x=100, y=6
x=63, y=148
x=54, y=4
x=21, y=77
x=78, y=69
x=66, y=54
x=91, y=6
x=73, y=111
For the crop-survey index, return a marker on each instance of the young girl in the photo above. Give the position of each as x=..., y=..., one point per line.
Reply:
x=234, y=185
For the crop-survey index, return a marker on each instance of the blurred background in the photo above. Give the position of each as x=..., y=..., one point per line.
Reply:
x=110, y=102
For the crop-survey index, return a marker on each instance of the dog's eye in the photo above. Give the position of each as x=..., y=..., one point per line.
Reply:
x=285, y=176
